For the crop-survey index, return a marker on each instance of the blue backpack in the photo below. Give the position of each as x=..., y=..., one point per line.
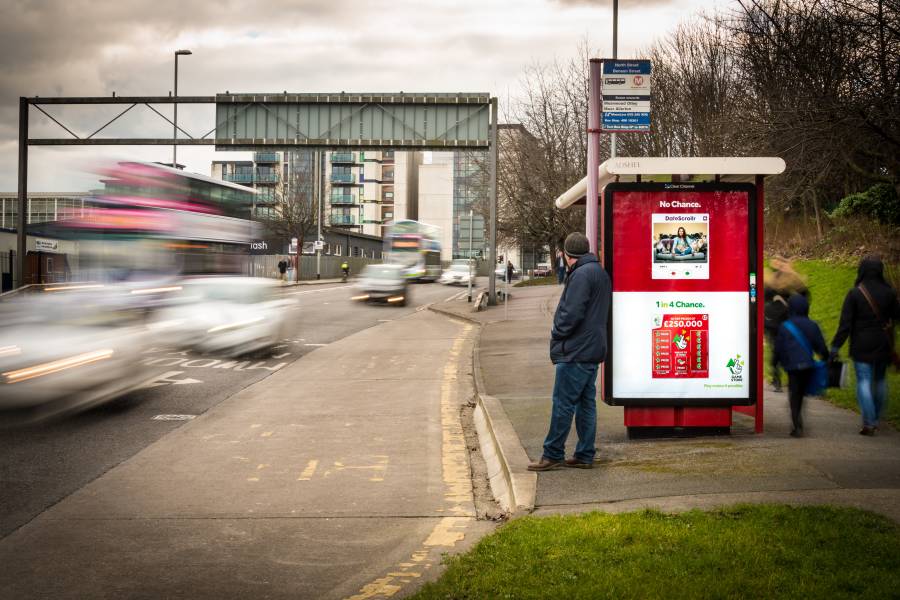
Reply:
x=819, y=380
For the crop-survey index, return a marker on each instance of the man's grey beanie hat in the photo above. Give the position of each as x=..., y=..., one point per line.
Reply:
x=576, y=245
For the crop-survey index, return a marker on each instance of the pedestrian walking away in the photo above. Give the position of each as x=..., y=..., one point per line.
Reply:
x=282, y=269
x=560, y=267
x=577, y=347
x=776, y=313
x=799, y=338
x=867, y=317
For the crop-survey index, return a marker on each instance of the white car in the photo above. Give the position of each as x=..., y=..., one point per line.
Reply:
x=227, y=315
x=382, y=283
x=69, y=351
x=456, y=273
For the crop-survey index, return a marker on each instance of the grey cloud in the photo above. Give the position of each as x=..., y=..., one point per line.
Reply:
x=84, y=47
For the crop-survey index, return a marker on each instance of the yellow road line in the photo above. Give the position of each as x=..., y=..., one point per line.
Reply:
x=307, y=473
x=457, y=486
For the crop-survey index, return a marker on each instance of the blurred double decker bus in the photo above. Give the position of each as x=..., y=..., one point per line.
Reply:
x=417, y=247
x=151, y=217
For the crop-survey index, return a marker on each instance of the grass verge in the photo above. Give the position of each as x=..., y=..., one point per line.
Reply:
x=828, y=284
x=551, y=280
x=767, y=551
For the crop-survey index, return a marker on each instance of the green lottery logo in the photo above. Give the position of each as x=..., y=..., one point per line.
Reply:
x=735, y=365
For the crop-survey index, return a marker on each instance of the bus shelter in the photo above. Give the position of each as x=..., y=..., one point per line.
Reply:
x=682, y=241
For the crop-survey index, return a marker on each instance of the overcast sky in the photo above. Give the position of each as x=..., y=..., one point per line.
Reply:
x=96, y=47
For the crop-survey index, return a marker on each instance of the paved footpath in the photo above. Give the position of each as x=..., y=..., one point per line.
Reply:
x=833, y=464
x=342, y=475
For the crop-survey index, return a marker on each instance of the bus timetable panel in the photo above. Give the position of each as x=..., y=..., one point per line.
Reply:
x=682, y=261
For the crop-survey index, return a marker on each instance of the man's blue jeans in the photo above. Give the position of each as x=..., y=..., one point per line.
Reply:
x=871, y=391
x=574, y=393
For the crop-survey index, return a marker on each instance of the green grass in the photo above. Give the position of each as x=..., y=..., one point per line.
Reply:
x=741, y=552
x=551, y=280
x=828, y=284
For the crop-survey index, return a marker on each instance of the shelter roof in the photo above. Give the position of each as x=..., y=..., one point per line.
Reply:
x=625, y=168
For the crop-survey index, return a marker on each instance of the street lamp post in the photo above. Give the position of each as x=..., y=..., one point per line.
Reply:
x=175, y=105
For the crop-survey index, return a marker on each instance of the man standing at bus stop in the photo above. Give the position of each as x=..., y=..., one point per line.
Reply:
x=577, y=347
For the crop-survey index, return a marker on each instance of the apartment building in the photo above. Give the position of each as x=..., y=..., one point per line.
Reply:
x=273, y=174
x=450, y=185
x=364, y=190
x=367, y=189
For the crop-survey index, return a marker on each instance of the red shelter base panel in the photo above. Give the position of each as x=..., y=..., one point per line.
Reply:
x=677, y=416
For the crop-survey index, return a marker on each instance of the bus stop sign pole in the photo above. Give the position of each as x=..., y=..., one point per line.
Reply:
x=492, y=284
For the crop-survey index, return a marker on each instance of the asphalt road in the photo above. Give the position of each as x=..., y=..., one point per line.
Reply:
x=42, y=464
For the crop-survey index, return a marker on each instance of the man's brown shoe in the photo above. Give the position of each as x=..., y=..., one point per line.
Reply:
x=577, y=464
x=545, y=464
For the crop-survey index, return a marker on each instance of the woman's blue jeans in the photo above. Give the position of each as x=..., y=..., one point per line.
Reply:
x=871, y=391
x=574, y=393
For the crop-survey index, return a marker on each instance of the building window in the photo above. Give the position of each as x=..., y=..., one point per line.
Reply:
x=338, y=248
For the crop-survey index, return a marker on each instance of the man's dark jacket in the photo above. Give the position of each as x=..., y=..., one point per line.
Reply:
x=579, y=325
x=869, y=342
x=790, y=354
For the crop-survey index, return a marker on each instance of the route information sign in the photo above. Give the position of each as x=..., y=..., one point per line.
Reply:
x=625, y=90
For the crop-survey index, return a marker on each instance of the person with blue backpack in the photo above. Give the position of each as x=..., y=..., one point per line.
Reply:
x=799, y=339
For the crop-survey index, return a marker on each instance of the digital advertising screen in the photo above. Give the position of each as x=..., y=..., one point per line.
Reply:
x=682, y=261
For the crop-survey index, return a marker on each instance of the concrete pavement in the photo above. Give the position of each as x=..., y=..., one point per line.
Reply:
x=344, y=474
x=832, y=464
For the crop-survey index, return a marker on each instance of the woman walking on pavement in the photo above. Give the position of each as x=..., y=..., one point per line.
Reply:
x=798, y=338
x=867, y=317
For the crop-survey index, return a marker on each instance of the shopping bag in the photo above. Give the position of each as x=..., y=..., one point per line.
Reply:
x=819, y=380
x=837, y=373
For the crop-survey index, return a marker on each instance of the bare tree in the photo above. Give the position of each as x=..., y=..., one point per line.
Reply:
x=295, y=210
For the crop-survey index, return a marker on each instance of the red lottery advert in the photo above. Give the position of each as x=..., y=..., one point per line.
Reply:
x=680, y=346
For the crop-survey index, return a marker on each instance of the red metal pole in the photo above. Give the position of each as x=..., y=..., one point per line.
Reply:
x=760, y=295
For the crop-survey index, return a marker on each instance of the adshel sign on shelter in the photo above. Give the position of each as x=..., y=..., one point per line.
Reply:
x=683, y=263
x=625, y=91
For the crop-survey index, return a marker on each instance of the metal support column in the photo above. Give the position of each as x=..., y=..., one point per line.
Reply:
x=471, y=260
x=593, y=156
x=492, y=251
x=317, y=177
x=22, y=219
x=615, y=50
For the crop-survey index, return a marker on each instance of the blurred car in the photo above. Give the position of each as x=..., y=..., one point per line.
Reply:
x=500, y=272
x=382, y=283
x=228, y=315
x=65, y=351
x=542, y=270
x=456, y=273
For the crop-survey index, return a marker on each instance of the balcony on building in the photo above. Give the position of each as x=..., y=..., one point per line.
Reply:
x=266, y=157
x=342, y=199
x=342, y=157
x=387, y=157
x=343, y=220
x=266, y=176
x=238, y=177
x=343, y=178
